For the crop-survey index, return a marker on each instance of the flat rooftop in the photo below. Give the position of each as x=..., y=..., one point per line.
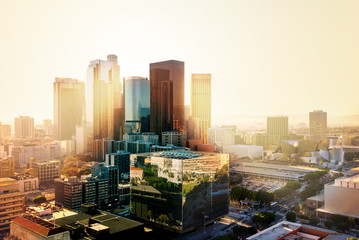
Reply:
x=276, y=231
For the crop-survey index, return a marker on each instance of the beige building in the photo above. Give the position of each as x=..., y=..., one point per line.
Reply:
x=12, y=202
x=24, y=127
x=318, y=125
x=28, y=184
x=277, y=126
x=342, y=197
x=33, y=228
x=69, y=107
x=46, y=170
x=201, y=101
x=7, y=167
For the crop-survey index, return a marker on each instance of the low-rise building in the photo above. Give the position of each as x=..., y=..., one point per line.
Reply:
x=12, y=202
x=72, y=192
x=291, y=231
x=175, y=138
x=7, y=167
x=342, y=197
x=46, y=170
x=34, y=228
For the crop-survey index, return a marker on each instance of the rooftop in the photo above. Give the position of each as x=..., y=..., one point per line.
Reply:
x=276, y=231
x=38, y=225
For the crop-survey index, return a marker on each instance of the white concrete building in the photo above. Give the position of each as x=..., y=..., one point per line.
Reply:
x=242, y=151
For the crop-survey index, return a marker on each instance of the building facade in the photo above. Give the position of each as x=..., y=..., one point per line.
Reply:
x=72, y=192
x=176, y=76
x=179, y=189
x=12, y=202
x=277, y=126
x=137, y=104
x=24, y=127
x=221, y=137
x=103, y=98
x=201, y=101
x=318, y=125
x=161, y=101
x=69, y=107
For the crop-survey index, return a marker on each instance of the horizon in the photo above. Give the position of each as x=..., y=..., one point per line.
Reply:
x=265, y=59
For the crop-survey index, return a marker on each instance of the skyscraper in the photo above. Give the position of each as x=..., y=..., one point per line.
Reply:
x=277, y=126
x=104, y=98
x=318, y=125
x=176, y=75
x=69, y=106
x=161, y=101
x=201, y=101
x=137, y=104
x=24, y=127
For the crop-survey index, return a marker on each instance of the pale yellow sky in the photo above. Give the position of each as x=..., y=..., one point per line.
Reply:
x=266, y=57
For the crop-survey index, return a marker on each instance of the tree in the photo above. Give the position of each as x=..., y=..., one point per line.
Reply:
x=293, y=185
x=355, y=141
x=264, y=196
x=72, y=171
x=240, y=193
x=329, y=224
x=342, y=226
x=83, y=172
x=291, y=216
x=262, y=219
x=149, y=214
x=163, y=218
x=313, y=221
x=39, y=199
x=337, y=218
x=242, y=231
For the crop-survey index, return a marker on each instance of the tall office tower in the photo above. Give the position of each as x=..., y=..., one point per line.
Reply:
x=24, y=127
x=5, y=130
x=176, y=75
x=69, y=105
x=103, y=98
x=277, y=126
x=161, y=101
x=201, y=100
x=318, y=125
x=137, y=104
x=47, y=125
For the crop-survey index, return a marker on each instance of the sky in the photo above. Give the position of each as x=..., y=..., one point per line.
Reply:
x=269, y=57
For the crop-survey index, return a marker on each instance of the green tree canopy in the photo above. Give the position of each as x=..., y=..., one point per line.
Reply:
x=329, y=224
x=313, y=221
x=263, y=219
x=291, y=216
x=264, y=196
x=240, y=193
x=39, y=199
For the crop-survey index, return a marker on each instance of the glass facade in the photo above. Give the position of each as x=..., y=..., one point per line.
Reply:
x=179, y=190
x=137, y=104
x=103, y=97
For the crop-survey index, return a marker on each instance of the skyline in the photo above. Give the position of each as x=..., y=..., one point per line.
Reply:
x=266, y=59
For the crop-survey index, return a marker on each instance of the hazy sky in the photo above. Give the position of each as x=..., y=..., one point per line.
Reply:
x=266, y=57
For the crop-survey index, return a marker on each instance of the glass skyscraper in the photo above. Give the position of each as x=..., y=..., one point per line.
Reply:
x=179, y=190
x=176, y=76
x=137, y=104
x=69, y=107
x=103, y=98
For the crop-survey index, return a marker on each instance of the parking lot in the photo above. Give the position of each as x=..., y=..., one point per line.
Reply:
x=257, y=183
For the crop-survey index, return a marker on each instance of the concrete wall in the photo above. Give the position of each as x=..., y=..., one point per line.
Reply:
x=341, y=200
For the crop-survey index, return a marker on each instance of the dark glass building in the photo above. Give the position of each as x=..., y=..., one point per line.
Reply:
x=161, y=101
x=137, y=104
x=179, y=190
x=176, y=75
